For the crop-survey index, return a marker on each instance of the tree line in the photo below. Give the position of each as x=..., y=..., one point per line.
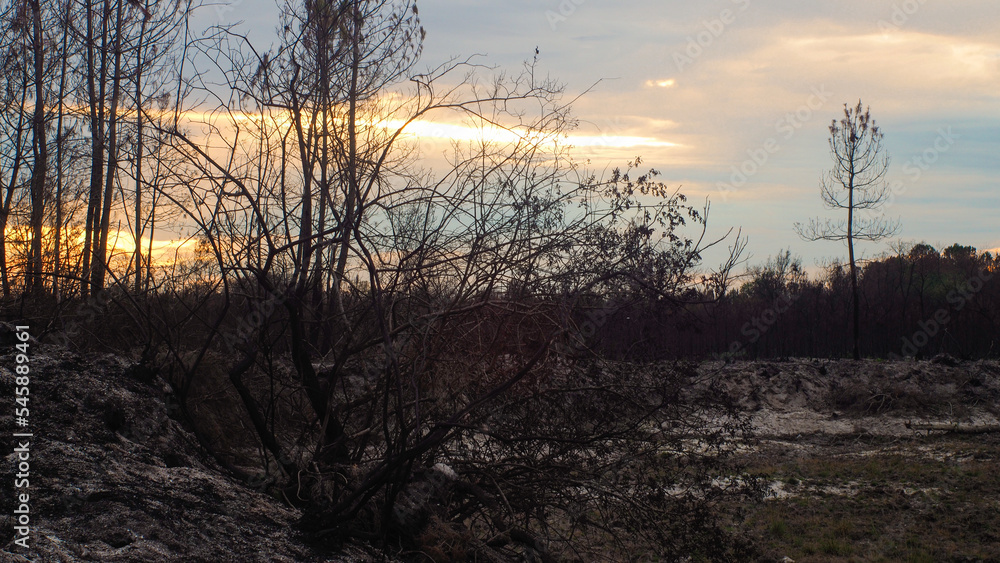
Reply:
x=85, y=86
x=915, y=301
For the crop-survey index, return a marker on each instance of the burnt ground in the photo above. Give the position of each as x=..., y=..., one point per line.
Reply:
x=114, y=477
x=874, y=461
x=854, y=473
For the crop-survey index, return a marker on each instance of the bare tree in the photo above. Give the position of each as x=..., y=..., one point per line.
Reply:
x=153, y=66
x=418, y=311
x=856, y=183
x=403, y=315
x=99, y=262
x=60, y=149
x=39, y=149
x=16, y=85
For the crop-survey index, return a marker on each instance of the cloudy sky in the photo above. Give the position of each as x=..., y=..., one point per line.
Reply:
x=731, y=99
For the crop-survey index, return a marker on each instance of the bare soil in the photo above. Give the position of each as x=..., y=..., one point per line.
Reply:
x=115, y=477
x=853, y=472
x=874, y=461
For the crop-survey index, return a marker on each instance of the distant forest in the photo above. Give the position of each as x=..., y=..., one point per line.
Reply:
x=915, y=302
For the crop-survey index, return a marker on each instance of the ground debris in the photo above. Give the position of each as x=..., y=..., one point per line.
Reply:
x=115, y=477
x=955, y=427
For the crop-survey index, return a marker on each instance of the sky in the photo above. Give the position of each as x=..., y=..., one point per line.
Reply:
x=732, y=99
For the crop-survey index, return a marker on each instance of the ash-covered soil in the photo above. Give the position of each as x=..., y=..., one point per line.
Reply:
x=802, y=397
x=114, y=477
x=873, y=461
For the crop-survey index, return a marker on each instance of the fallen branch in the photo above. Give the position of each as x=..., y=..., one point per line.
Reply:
x=955, y=427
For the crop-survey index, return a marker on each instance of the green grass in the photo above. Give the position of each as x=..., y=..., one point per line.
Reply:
x=903, y=507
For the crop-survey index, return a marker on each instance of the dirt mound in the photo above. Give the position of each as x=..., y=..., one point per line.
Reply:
x=114, y=478
x=939, y=386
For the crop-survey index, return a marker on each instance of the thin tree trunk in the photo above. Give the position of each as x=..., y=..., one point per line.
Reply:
x=152, y=217
x=138, y=157
x=9, y=195
x=101, y=255
x=34, y=284
x=56, y=267
x=352, y=174
x=95, y=91
x=856, y=332
x=320, y=329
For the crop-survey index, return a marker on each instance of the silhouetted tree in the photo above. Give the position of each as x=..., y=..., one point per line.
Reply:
x=856, y=183
x=15, y=63
x=421, y=313
x=39, y=149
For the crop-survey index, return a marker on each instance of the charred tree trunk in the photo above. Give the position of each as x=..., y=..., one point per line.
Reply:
x=33, y=280
x=95, y=93
x=9, y=194
x=101, y=253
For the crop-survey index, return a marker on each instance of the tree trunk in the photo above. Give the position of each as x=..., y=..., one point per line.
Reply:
x=95, y=93
x=60, y=140
x=33, y=279
x=101, y=253
x=855, y=304
x=9, y=194
x=137, y=258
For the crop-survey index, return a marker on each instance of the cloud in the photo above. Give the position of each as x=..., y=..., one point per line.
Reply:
x=936, y=64
x=665, y=83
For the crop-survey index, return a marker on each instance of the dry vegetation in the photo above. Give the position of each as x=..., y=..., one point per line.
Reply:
x=852, y=478
x=816, y=460
x=116, y=476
